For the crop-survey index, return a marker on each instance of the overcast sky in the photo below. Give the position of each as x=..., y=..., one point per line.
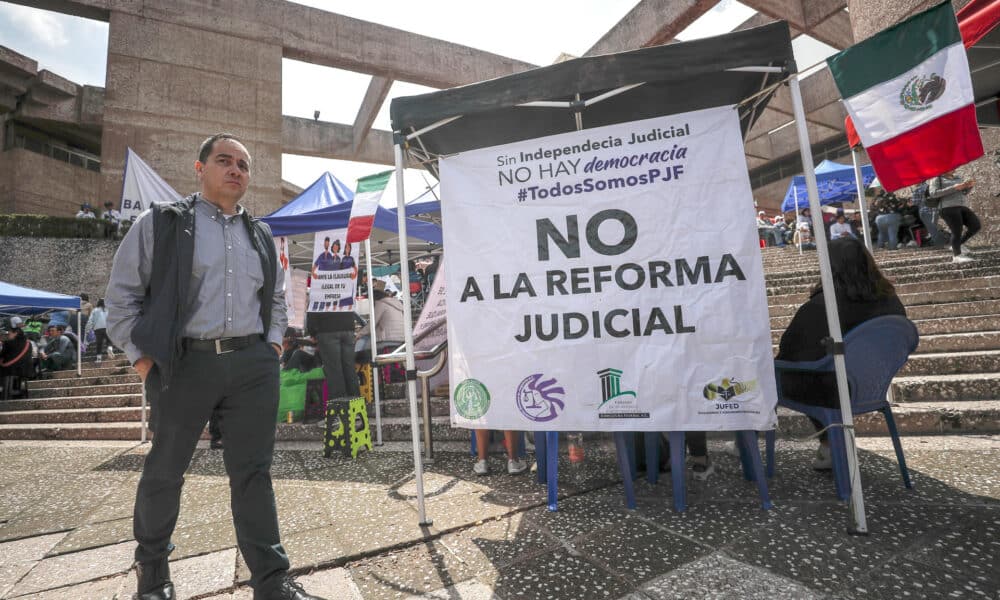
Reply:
x=528, y=30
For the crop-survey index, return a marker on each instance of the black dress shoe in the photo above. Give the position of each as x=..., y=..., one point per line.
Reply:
x=154, y=581
x=215, y=444
x=286, y=589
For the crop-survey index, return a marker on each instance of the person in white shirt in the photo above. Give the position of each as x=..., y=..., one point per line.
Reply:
x=85, y=212
x=112, y=218
x=841, y=228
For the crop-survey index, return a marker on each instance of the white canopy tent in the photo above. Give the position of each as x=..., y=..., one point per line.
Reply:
x=742, y=68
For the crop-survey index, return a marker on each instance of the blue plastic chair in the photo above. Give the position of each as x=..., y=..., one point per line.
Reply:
x=547, y=457
x=746, y=441
x=874, y=352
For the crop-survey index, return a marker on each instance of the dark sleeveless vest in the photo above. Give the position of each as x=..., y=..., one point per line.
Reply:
x=165, y=310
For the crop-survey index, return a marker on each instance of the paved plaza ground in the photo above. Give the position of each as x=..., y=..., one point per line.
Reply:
x=350, y=527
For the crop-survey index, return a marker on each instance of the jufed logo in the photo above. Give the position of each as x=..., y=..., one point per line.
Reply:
x=725, y=393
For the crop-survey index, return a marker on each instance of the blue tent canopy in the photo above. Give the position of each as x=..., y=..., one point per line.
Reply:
x=835, y=182
x=326, y=204
x=325, y=191
x=15, y=299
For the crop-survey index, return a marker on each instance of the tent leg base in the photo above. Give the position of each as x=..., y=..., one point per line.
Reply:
x=852, y=531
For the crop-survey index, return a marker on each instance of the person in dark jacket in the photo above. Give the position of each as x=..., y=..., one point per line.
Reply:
x=196, y=301
x=862, y=293
x=16, y=361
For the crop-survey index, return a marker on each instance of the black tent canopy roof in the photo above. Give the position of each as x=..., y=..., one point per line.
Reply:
x=667, y=80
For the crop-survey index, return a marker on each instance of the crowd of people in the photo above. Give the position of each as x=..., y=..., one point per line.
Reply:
x=894, y=221
x=34, y=347
x=111, y=217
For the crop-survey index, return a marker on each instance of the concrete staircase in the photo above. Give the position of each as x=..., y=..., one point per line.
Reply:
x=951, y=384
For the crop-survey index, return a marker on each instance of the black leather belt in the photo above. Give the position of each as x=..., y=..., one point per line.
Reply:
x=221, y=345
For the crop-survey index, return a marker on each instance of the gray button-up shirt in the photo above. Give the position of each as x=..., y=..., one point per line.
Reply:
x=225, y=280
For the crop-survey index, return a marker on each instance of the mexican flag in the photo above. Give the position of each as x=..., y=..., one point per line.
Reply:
x=366, y=200
x=909, y=93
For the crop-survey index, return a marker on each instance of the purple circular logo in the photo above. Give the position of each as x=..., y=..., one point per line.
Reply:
x=540, y=400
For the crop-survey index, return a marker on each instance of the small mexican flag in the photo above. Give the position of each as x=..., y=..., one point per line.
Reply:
x=366, y=200
x=909, y=93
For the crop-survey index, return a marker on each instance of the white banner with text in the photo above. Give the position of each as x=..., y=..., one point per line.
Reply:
x=608, y=280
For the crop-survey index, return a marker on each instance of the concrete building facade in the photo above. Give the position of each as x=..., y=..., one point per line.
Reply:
x=179, y=70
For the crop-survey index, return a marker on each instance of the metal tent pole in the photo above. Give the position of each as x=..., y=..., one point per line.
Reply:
x=376, y=395
x=411, y=369
x=858, y=521
x=861, y=199
x=79, y=345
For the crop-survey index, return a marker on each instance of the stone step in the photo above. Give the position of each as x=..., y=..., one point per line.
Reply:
x=952, y=363
x=911, y=284
x=71, y=402
x=73, y=415
x=782, y=305
x=780, y=317
x=394, y=429
x=900, y=274
x=70, y=431
x=87, y=390
x=97, y=372
x=794, y=265
x=971, y=416
x=398, y=407
x=959, y=342
x=902, y=256
x=940, y=326
x=90, y=362
x=951, y=342
x=41, y=384
x=921, y=418
x=946, y=388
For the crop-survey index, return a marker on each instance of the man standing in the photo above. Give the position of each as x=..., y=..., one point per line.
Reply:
x=196, y=301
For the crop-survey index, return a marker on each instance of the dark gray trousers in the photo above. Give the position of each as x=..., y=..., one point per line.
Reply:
x=337, y=350
x=243, y=387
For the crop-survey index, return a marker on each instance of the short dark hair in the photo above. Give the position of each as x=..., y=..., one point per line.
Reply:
x=206, y=147
x=326, y=239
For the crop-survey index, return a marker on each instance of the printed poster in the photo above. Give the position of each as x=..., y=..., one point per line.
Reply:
x=608, y=280
x=334, y=272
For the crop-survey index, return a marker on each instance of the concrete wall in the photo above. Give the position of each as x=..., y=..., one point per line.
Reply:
x=169, y=86
x=31, y=183
x=66, y=266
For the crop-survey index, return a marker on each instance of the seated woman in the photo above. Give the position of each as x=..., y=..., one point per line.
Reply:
x=514, y=464
x=388, y=320
x=862, y=293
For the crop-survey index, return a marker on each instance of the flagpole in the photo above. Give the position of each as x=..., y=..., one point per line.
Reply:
x=861, y=199
x=376, y=394
x=795, y=195
x=859, y=523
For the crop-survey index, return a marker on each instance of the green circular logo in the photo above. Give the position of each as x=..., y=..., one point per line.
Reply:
x=472, y=399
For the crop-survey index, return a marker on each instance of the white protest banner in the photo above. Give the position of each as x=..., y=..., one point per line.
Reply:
x=432, y=325
x=608, y=280
x=141, y=187
x=281, y=247
x=334, y=272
